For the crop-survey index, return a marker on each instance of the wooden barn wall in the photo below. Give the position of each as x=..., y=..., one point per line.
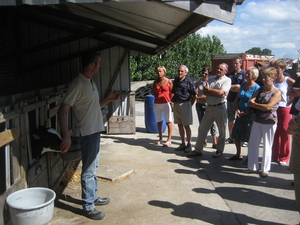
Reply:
x=31, y=90
x=9, y=42
x=22, y=165
x=118, y=80
x=41, y=68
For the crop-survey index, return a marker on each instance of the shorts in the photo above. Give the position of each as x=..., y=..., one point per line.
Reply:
x=164, y=108
x=183, y=113
x=231, y=111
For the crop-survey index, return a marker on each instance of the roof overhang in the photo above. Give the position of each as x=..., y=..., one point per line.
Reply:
x=148, y=26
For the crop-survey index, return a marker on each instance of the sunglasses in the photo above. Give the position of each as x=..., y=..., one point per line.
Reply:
x=218, y=68
x=204, y=73
x=266, y=78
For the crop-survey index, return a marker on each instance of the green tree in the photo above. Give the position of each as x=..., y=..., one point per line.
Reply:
x=257, y=50
x=266, y=51
x=194, y=52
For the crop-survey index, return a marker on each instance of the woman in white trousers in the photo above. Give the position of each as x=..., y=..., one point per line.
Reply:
x=265, y=104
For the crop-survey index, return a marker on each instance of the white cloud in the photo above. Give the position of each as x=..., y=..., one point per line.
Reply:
x=283, y=45
x=272, y=24
x=245, y=16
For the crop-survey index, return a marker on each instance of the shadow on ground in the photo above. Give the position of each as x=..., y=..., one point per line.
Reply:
x=197, y=211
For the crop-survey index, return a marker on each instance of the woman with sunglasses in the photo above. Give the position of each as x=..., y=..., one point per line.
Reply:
x=162, y=88
x=201, y=104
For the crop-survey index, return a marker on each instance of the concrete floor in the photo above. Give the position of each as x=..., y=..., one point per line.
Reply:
x=153, y=185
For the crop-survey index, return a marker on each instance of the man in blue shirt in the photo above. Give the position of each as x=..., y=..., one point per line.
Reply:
x=184, y=97
x=237, y=78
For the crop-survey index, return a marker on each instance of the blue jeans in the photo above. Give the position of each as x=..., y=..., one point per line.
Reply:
x=90, y=145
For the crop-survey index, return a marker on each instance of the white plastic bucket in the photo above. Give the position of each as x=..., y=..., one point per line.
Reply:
x=31, y=206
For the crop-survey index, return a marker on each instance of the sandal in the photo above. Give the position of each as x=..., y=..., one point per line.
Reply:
x=229, y=141
x=264, y=174
x=159, y=142
x=236, y=157
x=167, y=144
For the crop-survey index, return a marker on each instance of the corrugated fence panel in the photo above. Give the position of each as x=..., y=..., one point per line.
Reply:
x=110, y=59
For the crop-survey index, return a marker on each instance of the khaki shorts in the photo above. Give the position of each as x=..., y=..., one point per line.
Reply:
x=183, y=113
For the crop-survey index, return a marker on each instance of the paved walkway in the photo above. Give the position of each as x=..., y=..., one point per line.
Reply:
x=160, y=186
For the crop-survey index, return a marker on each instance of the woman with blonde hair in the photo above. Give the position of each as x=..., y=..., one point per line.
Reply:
x=243, y=122
x=265, y=103
x=162, y=88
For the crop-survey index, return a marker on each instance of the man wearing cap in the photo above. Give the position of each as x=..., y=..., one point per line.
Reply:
x=216, y=92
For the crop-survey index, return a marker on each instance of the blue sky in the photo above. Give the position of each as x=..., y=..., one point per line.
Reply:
x=271, y=24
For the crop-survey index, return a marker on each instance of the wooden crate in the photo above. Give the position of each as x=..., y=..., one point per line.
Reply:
x=123, y=124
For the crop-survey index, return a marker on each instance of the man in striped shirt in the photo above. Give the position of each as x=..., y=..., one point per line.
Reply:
x=184, y=97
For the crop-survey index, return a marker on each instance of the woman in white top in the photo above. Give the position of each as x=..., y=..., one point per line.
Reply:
x=282, y=141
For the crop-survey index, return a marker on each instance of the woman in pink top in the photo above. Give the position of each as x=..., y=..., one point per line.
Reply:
x=162, y=88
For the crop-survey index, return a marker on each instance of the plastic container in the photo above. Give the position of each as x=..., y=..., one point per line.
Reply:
x=31, y=206
x=150, y=122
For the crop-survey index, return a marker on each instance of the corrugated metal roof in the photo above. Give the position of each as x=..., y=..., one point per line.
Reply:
x=146, y=26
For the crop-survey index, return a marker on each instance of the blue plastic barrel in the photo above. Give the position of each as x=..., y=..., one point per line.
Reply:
x=150, y=122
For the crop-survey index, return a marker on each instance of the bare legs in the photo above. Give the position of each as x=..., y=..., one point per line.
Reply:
x=170, y=130
x=214, y=139
x=185, y=130
x=230, y=127
x=238, y=148
x=238, y=155
x=159, y=127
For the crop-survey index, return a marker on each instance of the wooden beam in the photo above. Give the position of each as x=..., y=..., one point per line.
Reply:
x=10, y=115
x=8, y=136
x=52, y=112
